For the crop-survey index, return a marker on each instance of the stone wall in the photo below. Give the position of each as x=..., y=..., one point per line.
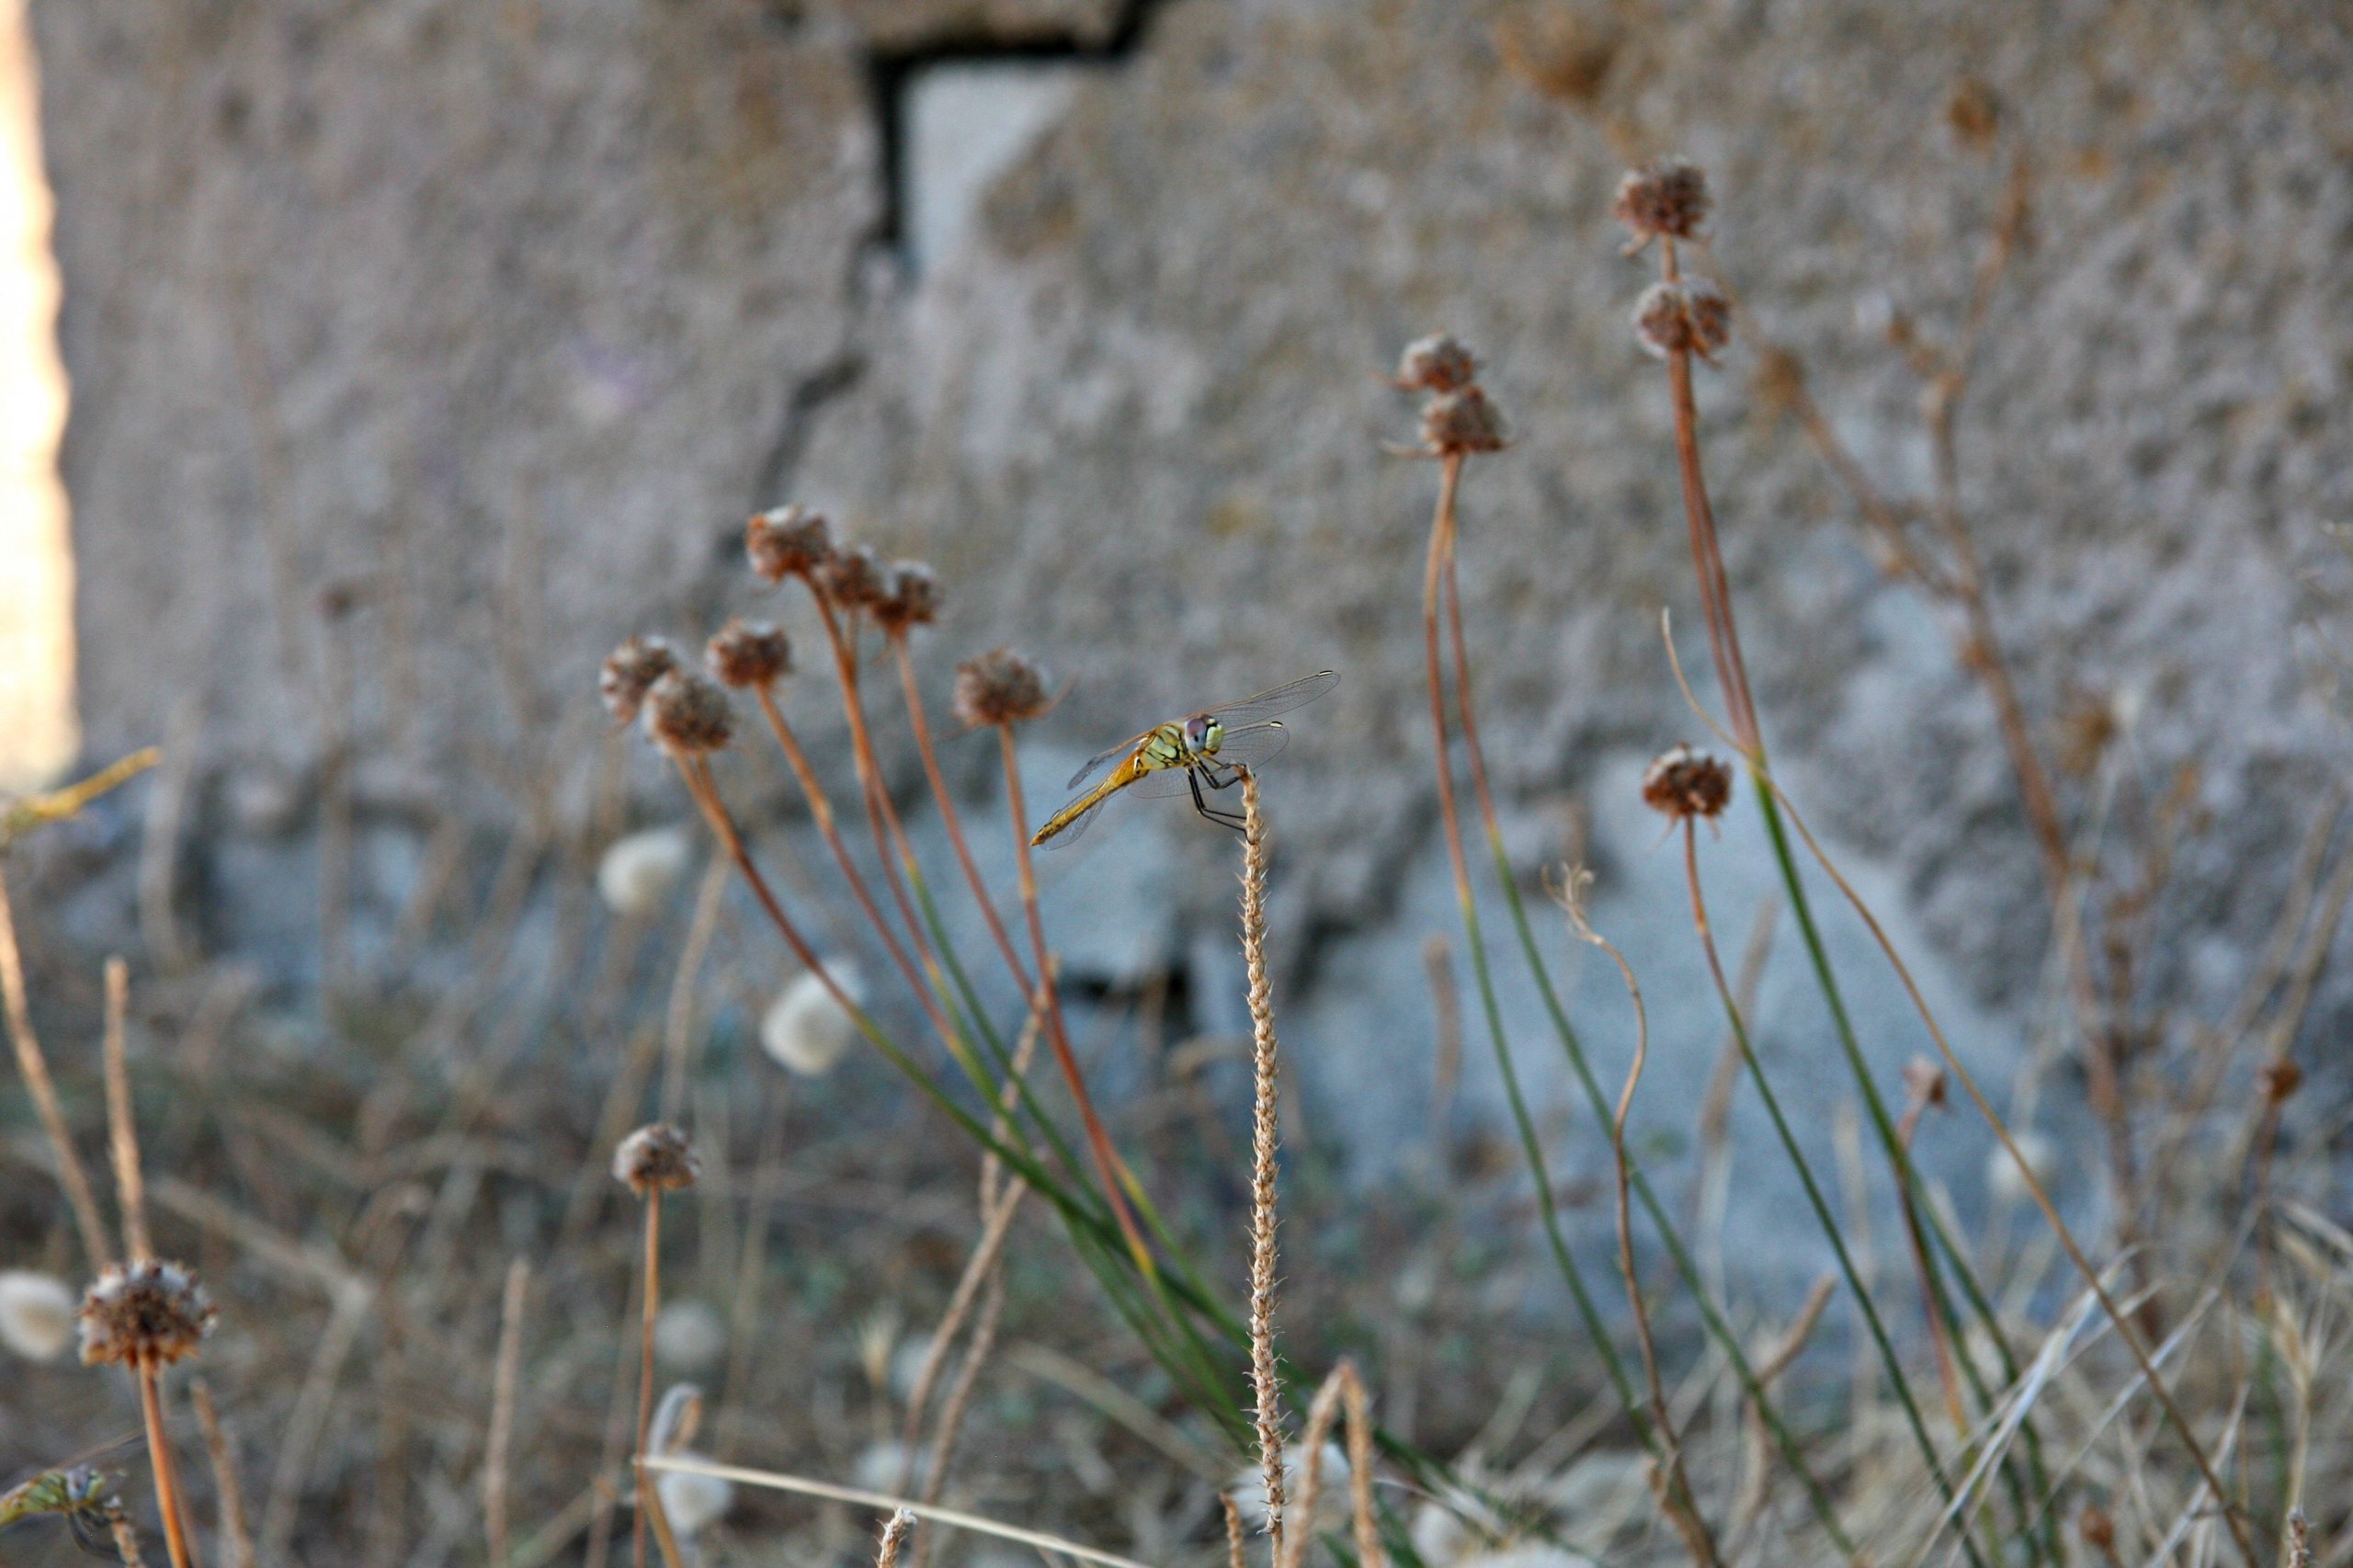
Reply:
x=420, y=351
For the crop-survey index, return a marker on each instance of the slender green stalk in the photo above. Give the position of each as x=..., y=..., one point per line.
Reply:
x=1717, y=1328
x=1863, y=1302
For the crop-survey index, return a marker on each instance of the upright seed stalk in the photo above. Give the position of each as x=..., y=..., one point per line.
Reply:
x=651, y=1308
x=1266, y=1091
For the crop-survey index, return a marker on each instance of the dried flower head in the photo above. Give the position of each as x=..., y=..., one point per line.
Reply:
x=999, y=687
x=2278, y=1079
x=655, y=1158
x=1683, y=783
x=749, y=653
x=1669, y=198
x=853, y=576
x=2096, y=1528
x=786, y=541
x=686, y=715
x=910, y=597
x=1691, y=317
x=1465, y=420
x=143, y=1315
x=630, y=670
x=1438, y=363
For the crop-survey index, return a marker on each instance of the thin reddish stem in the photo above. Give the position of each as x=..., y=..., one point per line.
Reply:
x=821, y=810
x=948, y=814
x=1107, y=1163
x=651, y=1308
x=159, y=1454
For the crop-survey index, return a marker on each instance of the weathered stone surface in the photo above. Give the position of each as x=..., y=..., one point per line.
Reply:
x=498, y=318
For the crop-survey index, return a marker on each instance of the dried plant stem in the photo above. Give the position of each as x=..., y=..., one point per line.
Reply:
x=502, y=1414
x=1673, y=1482
x=1235, y=1557
x=881, y=816
x=122, y=1125
x=1107, y=1163
x=177, y=1540
x=126, y=1538
x=959, y=1396
x=1265, y=1084
x=894, y=1537
x=1438, y=580
x=821, y=811
x=777, y=1480
x=231, y=1489
x=950, y=816
x=677, y=1021
x=79, y=1195
x=1829, y=1224
x=2125, y=1326
x=1940, y=1340
x=1442, y=552
x=1746, y=737
x=998, y=1223
x=650, y=1307
x=1342, y=1385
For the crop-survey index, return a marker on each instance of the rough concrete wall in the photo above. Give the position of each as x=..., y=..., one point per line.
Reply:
x=488, y=324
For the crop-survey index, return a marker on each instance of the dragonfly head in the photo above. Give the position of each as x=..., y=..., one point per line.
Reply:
x=1203, y=733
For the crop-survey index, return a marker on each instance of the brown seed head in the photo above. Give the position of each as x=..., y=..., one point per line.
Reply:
x=656, y=1157
x=910, y=597
x=1691, y=317
x=999, y=687
x=630, y=670
x=748, y=654
x=1465, y=420
x=2278, y=1079
x=1683, y=783
x=1669, y=198
x=143, y=1315
x=1438, y=363
x=2096, y=1528
x=686, y=715
x=786, y=541
x=853, y=576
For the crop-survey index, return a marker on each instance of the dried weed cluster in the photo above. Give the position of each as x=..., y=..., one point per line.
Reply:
x=453, y=1344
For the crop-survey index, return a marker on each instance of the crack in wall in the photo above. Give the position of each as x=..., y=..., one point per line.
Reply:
x=892, y=72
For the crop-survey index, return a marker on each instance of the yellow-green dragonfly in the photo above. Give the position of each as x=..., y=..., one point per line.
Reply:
x=1211, y=749
x=79, y=1495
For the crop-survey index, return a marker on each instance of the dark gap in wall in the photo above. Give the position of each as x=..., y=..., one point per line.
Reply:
x=890, y=72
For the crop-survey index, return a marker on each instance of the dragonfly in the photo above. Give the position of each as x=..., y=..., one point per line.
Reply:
x=80, y=1494
x=1209, y=750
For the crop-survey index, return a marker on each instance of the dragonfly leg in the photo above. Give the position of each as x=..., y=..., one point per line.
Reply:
x=1201, y=803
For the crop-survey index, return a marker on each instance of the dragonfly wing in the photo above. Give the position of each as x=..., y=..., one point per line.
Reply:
x=1281, y=699
x=1251, y=745
x=1162, y=783
x=1095, y=764
x=1078, y=828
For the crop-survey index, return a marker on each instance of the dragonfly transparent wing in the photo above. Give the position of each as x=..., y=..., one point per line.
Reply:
x=1095, y=763
x=1162, y=783
x=1250, y=746
x=1255, y=710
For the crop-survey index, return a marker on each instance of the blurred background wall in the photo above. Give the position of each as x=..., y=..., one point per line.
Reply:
x=421, y=350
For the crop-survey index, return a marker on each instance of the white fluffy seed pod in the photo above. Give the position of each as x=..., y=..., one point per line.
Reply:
x=35, y=1314
x=690, y=1336
x=2003, y=1180
x=806, y=1029
x=638, y=872
x=694, y=1503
